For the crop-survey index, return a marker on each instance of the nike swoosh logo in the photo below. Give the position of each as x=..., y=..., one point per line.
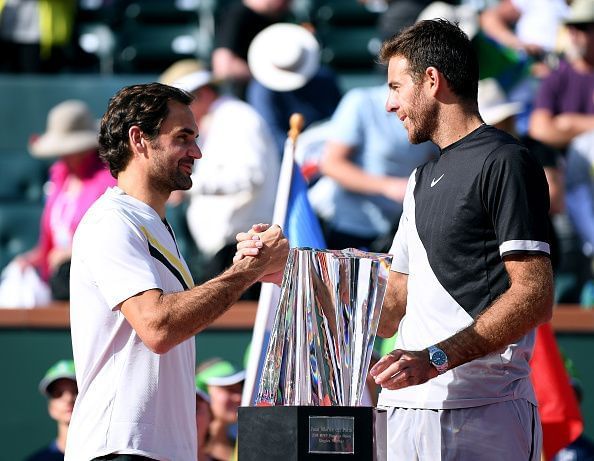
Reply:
x=435, y=181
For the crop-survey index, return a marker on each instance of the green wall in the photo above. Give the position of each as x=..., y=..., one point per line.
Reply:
x=26, y=354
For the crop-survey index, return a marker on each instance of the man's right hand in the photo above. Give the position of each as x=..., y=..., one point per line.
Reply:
x=268, y=246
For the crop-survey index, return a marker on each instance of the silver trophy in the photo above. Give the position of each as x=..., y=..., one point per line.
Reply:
x=322, y=338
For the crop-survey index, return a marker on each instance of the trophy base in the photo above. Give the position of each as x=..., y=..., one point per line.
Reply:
x=296, y=433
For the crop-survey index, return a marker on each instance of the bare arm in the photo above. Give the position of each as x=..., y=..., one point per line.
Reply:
x=163, y=321
x=336, y=164
x=394, y=305
x=227, y=65
x=527, y=303
x=558, y=130
x=556, y=183
x=498, y=22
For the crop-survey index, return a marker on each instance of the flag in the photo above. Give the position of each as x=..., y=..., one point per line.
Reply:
x=293, y=212
x=557, y=404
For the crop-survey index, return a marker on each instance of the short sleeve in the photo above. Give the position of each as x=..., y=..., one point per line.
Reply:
x=399, y=249
x=515, y=194
x=119, y=259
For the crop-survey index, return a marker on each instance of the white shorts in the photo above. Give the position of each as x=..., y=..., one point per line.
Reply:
x=509, y=431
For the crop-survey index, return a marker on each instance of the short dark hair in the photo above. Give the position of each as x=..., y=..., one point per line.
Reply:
x=142, y=105
x=441, y=44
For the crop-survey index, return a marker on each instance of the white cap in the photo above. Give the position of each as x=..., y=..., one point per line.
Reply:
x=494, y=106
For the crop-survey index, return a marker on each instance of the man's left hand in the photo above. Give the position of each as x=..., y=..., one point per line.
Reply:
x=401, y=368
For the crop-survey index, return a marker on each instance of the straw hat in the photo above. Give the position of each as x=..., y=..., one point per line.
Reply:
x=284, y=57
x=71, y=129
x=494, y=107
x=187, y=74
x=465, y=15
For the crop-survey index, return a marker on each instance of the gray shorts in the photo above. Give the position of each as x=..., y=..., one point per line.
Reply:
x=509, y=431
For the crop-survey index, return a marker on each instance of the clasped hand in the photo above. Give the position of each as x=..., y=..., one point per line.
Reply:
x=260, y=237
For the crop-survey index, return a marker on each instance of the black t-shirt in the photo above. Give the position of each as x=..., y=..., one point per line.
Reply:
x=484, y=198
x=238, y=27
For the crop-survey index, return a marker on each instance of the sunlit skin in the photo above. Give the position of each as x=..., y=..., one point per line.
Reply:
x=175, y=150
x=225, y=401
x=60, y=404
x=165, y=163
x=406, y=98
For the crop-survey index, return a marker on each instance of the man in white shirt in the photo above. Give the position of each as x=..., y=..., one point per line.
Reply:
x=134, y=308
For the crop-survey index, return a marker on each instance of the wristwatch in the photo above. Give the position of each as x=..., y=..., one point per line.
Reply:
x=438, y=359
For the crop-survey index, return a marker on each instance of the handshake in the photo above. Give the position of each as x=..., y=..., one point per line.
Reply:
x=267, y=248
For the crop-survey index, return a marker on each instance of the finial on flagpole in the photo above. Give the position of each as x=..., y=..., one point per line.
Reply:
x=296, y=123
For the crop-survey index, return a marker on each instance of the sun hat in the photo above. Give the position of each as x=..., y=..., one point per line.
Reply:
x=581, y=12
x=187, y=74
x=59, y=370
x=71, y=129
x=284, y=57
x=465, y=15
x=494, y=106
x=218, y=373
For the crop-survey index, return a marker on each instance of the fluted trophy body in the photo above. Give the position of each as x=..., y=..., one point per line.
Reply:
x=324, y=329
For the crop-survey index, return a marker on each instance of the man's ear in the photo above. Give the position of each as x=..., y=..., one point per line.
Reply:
x=434, y=79
x=137, y=141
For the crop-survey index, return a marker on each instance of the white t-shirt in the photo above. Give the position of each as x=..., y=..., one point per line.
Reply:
x=131, y=400
x=540, y=21
x=235, y=181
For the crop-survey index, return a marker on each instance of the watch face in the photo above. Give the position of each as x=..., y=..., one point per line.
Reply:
x=438, y=358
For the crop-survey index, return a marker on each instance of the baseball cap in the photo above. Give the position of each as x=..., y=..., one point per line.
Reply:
x=218, y=373
x=59, y=370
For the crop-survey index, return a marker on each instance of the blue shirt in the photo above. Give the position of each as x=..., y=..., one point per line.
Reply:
x=381, y=147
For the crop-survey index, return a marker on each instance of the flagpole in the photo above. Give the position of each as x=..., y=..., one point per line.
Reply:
x=270, y=293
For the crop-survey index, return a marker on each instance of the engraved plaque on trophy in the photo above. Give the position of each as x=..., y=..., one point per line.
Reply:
x=317, y=360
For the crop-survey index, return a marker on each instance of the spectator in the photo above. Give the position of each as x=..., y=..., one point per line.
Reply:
x=580, y=202
x=77, y=179
x=531, y=34
x=36, y=36
x=564, y=104
x=285, y=62
x=59, y=386
x=367, y=160
x=582, y=448
x=528, y=26
x=242, y=22
x=235, y=182
x=398, y=15
x=224, y=384
x=203, y=420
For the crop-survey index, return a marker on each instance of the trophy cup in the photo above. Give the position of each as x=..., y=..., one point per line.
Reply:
x=308, y=403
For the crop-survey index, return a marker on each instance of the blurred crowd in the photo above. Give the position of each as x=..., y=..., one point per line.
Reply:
x=537, y=70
